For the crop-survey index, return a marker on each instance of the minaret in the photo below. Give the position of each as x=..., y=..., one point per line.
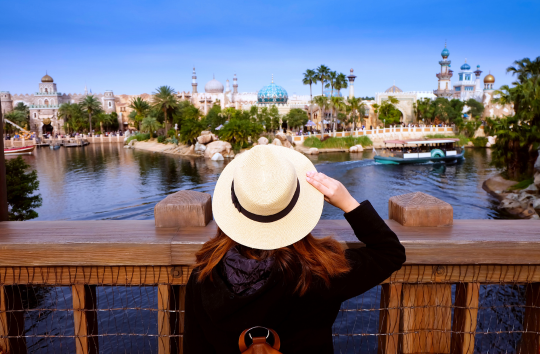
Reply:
x=85, y=90
x=227, y=86
x=194, y=82
x=351, y=78
x=235, y=84
x=444, y=88
x=477, y=84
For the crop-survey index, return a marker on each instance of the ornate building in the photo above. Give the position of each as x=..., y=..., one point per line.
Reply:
x=444, y=88
x=406, y=101
x=45, y=103
x=468, y=86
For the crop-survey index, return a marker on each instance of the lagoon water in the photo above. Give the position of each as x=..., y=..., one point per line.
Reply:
x=102, y=182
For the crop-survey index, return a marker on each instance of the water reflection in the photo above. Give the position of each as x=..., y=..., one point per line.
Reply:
x=110, y=182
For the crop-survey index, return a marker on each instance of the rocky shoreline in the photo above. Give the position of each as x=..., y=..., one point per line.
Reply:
x=523, y=203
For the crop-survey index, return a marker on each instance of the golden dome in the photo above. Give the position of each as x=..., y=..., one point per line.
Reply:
x=489, y=79
x=46, y=121
x=47, y=78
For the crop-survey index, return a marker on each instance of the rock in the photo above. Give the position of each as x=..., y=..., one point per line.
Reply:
x=314, y=151
x=512, y=196
x=127, y=147
x=360, y=148
x=527, y=213
x=510, y=204
x=492, y=140
x=132, y=142
x=531, y=189
x=488, y=144
x=470, y=143
x=206, y=132
x=223, y=147
x=536, y=204
x=200, y=148
x=535, y=217
x=217, y=157
x=205, y=139
x=277, y=142
x=262, y=141
x=353, y=149
x=283, y=139
x=524, y=196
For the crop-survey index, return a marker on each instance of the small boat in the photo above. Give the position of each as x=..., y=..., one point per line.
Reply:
x=420, y=151
x=19, y=150
x=55, y=146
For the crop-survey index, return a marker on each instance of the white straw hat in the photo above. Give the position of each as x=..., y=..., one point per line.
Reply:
x=262, y=199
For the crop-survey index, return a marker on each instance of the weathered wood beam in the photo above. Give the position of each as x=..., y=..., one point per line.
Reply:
x=389, y=319
x=85, y=318
x=465, y=318
x=168, y=319
x=11, y=320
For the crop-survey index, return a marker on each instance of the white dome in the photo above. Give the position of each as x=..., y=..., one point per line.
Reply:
x=213, y=86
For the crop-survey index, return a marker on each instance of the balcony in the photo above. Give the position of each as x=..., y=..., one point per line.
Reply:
x=436, y=302
x=48, y=94
x=444, y=76
x=443, y=93
x=42, y=106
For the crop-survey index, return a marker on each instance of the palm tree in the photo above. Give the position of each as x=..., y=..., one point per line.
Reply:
x=322, y=75
x=525, y=69
x=340, y=82
x=356, y=106
x=322, y=102
x=310, y=78
x=139, y=105
x=90, y=104
x=332, y=76
x=104, y=118
x=150, y=124
x=164, y=100
x=337, y=104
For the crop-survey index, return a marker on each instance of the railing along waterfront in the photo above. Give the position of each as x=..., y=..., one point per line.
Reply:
x=386, y=133
x=119, y=286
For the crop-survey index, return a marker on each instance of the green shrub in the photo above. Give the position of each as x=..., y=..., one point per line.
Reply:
x=337, y=143
x=238, y=131
x=21, y=187
x=171, y=133
x=523, y=184
x=138, y=137
x=161, y=139
x=191, y=129
x=480, y=141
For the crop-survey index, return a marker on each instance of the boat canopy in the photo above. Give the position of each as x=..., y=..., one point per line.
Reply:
x=416, y=142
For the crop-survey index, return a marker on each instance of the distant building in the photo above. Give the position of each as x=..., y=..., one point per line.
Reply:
x=406, y=101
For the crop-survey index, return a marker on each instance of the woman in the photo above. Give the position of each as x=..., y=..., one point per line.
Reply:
x=264, y=268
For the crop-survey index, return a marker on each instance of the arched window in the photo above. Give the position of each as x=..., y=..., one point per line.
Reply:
x=35, y=115
x=46, y=102
x=110, y=104
x=46, y=90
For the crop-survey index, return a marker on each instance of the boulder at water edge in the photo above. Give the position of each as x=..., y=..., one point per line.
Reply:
x=360, y=148
x=205, y=139
x=492, y=139
x=353, y=149
x=537, y=179
x=283, y=139
x=206, y=132
x=277, y=142
x=217, y=157
x=223, y=147
x=200, y=148
x=262, y=141
x=314, y=151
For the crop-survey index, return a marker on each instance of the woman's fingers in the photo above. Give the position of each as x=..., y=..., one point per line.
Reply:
x=315, y=182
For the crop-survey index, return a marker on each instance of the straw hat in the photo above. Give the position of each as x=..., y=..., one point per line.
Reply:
x=262, y=199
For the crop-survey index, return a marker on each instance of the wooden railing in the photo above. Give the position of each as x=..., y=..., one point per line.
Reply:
x=447, y=263
x=385, y=133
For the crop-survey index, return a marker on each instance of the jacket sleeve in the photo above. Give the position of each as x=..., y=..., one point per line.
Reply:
x=194, y=340
x=382, y=255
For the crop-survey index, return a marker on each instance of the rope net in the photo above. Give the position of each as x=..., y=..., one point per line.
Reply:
x=139, y=310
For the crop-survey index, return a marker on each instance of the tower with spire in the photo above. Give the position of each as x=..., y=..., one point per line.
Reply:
x=444, y=88
x=194, y=82
x=351, y=78
x=235, y=84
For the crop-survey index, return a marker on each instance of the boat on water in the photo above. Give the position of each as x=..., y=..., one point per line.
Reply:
x=19, y=150
x=420, y=151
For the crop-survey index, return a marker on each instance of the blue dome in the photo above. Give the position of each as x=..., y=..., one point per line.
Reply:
x=445, y=52
x=272, y=94
x=465, y=67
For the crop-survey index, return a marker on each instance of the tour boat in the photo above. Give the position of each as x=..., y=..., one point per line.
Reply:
x=19, y=150
x=419, y=151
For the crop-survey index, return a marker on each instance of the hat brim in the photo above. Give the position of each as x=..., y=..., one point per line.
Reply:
x=268, y=236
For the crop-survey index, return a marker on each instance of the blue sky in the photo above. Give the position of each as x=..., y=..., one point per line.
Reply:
x=132, y=47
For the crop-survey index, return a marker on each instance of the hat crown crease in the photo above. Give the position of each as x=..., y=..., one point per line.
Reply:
x=265, y=182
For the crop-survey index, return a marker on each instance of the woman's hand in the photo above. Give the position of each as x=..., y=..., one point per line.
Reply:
x=334, y=192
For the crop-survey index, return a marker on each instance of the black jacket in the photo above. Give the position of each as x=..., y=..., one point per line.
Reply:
x=215, y=317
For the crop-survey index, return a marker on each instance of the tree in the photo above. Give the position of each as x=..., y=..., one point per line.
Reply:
x=20, y=190
x=164, y=100
x=73, y=117
x=16, y=117
x=341, y=82
x=322, y=102
x=332, y=77
x=310, y=78
x=214, y=118
x=238, y=131
x=356, y=106
x=475, y=108
x=422, y=109
x=322, y=76
x=191, y=129
x=275, y=118
x=21, y=107
x=90, y=104
x=337, y=104
x=296, y=118
x=150, y=124
x=141, y=108
x=387, y=112
x=524, y=69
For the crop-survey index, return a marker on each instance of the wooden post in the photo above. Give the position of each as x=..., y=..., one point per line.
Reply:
x=530, y=341
x=11, y=320
x=85, y=318
x=168, y=318
x=183, y=209
x=426, y=318
x=420, y=209
x=182, y=312
x=465, y=318
x=389, y=318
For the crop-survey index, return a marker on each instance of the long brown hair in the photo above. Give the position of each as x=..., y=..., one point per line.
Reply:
x=302, y=261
